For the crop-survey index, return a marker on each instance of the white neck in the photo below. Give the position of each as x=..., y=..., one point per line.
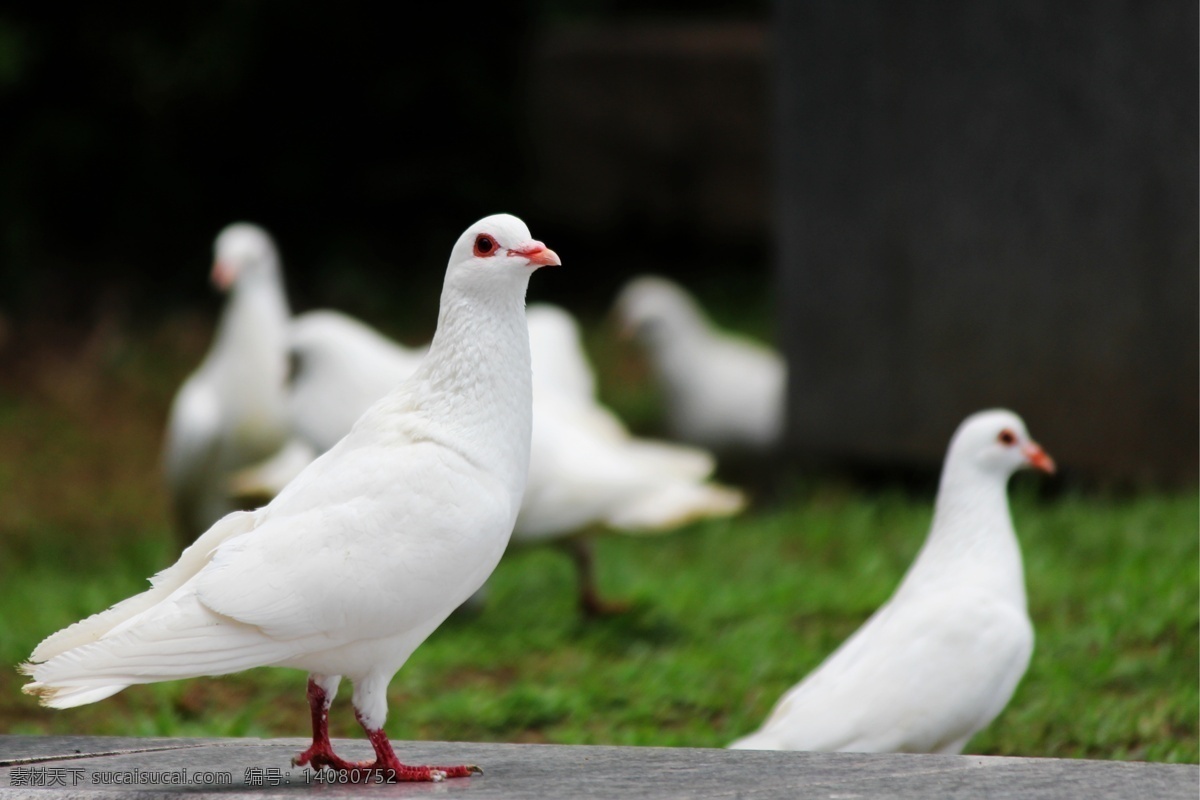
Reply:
x=473, y=389
x=972, y=538
x=249, y=352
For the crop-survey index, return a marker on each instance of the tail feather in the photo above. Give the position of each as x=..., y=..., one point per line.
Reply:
x=667, y=458
x=70, y=697
x=185, y=640
x=678, y=504
x=162, y=585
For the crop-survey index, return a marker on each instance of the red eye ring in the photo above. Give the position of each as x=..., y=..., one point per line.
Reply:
x=485, y=246
x=1007, y=438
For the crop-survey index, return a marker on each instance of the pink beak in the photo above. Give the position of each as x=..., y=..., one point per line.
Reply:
x=538, y=254
x=222, y=275
x=1038, y=457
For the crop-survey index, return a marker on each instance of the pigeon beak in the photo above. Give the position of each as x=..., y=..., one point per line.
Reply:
x=538, y=254
x=222, y=275
x=1038, y=458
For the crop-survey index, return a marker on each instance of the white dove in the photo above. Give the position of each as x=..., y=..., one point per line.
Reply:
x=365, y=553
x=587, y=471
x=722, y=391
x=939, y=660
x=230, y=412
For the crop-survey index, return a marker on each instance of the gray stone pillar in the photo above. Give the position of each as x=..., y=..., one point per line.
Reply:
x=991, y=203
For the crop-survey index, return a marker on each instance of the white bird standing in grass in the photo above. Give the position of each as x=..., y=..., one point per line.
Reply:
x=363, y=555
x=937, y=662
x=722, y=391
x=230, y=413
x=587, y=473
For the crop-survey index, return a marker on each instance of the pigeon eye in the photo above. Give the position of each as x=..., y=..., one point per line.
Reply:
x=1007, y=438
x=484, y=245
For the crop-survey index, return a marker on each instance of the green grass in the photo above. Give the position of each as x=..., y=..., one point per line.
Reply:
x=725, y=616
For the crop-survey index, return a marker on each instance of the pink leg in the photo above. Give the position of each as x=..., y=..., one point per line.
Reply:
x=320, y=754
x=385, y=768
x=590, y=602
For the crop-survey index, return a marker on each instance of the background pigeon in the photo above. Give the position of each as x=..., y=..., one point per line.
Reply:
x=588, y=474
x=942, y=657
x=722, y=391
x=230, y=413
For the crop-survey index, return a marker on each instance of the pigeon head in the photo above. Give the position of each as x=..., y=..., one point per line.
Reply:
x=242, y=251
x=996, y=442
x=649, y=307
x=497, y=249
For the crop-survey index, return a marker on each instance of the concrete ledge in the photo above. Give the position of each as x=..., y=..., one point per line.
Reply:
x=107, y=767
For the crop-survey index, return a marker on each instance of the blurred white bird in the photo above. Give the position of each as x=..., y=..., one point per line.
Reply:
x=231, y=412
x=339, y=367
x=939, y=660
x=722, y=391
x=366, y=552
x=587, y=472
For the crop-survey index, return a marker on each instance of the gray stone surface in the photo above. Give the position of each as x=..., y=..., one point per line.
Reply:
x=32, y=749
x=991, y=203
x=555, y=771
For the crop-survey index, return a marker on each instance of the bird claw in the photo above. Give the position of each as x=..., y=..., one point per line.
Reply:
x=318, y=758
x=369, y=771
x=464, y=771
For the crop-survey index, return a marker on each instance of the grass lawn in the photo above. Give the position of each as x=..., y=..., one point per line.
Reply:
x=725, y=615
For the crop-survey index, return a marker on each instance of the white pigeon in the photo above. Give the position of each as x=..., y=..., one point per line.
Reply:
x=231, y=412
x=365, y=553
x=587, y=471
x=721, y=391
x=939, y=660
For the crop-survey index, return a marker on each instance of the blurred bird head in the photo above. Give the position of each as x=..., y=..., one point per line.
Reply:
x=996, y=442
x=650, y=309
x=242, y=251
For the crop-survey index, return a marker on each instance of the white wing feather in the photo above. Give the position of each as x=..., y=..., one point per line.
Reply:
x=193, y=559
x=921, y=676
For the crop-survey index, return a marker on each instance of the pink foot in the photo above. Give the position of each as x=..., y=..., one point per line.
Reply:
x=386, y=768
x=320, y=755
